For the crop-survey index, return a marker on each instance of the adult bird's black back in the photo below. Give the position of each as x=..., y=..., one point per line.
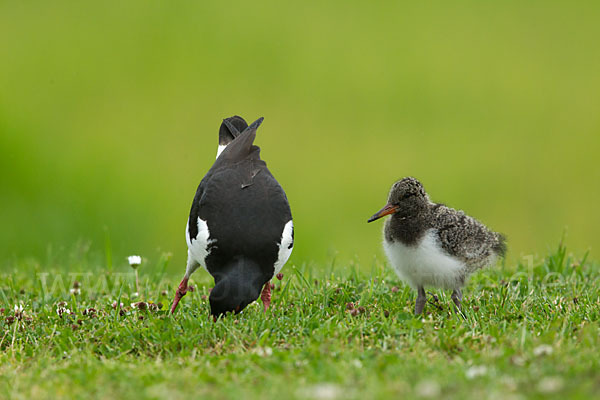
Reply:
x=240, y=226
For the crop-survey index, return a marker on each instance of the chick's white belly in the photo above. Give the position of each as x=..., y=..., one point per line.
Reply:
x=425, y=264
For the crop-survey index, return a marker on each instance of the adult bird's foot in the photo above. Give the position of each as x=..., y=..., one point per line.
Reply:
x=420, y=303
x=181, y=291
x=456, y=298
x=265, y=296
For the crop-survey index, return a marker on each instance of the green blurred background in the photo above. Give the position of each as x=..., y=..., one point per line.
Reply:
x=109, y=113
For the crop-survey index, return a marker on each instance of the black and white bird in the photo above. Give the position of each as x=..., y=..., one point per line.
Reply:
x=240, y=226
x=429, y=244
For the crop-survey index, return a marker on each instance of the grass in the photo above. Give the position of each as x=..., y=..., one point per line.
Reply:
x=109, y=113
x=527, y=331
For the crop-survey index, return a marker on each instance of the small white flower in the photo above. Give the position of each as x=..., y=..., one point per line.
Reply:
x=263, y=351
x=322, y=391
x=75, y=291
x=517, y=360
x=476, y=371
x=550, y=384
x=140, y=305
x=542, y=350
x=62, y=310
x=135, y=294
x=134, y=261
x=18, y=308
x=428, y=389
x=509, y=383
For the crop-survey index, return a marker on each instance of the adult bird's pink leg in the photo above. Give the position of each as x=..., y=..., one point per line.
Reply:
x=181, y=291
x=265, y=296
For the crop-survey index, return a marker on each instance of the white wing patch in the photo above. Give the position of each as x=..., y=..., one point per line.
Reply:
x=425, y=264
x=197, y=247
x=286, y=245
x=220, y=149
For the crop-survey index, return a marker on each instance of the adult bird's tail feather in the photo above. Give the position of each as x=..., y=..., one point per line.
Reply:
x=242, y=148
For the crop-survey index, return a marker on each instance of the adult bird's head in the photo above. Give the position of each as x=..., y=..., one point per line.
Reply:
x=407, y=197
x=238, y=285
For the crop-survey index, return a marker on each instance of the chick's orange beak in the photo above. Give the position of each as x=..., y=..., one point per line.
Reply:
x=388, y=209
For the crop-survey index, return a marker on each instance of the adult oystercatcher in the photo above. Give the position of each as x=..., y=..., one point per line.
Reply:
x=240, y=226
x=429, y=244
